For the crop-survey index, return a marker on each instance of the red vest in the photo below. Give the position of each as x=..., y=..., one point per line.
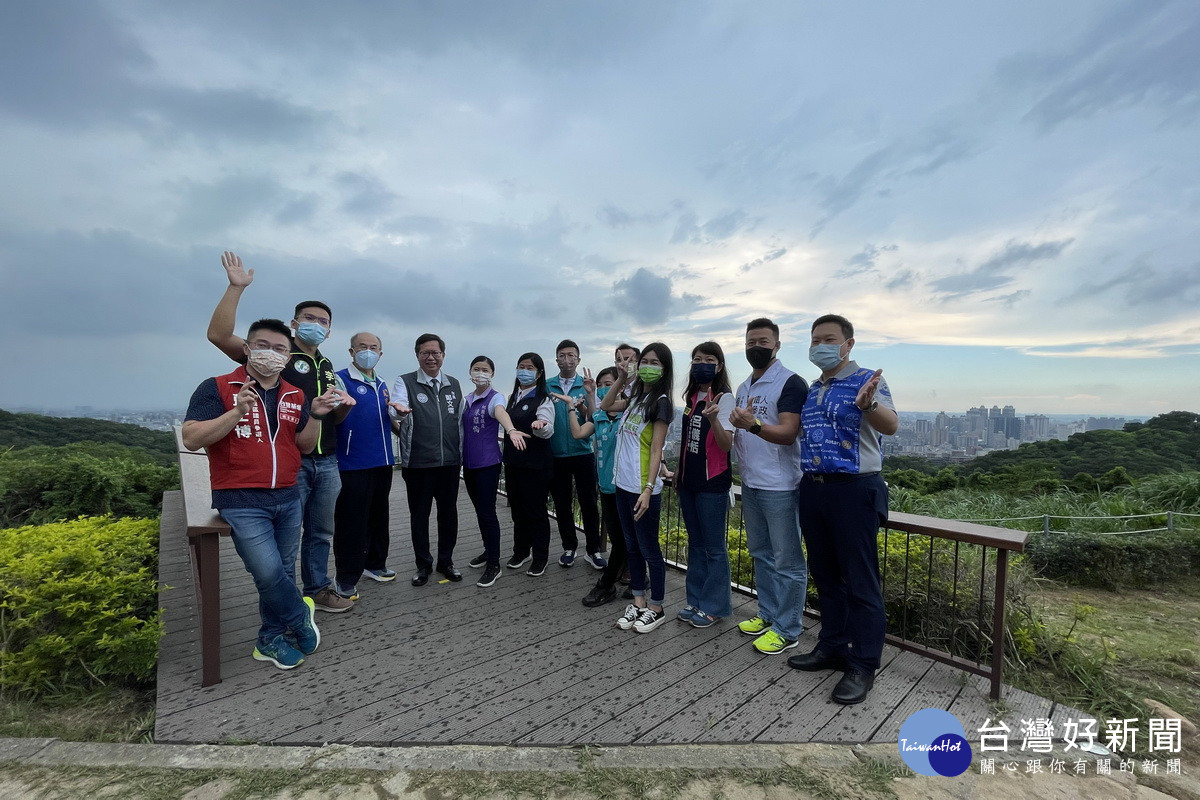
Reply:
x=249, y=457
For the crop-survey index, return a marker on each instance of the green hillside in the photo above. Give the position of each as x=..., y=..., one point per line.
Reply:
x=19, y=431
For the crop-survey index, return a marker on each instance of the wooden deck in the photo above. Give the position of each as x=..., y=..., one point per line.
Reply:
x=520, y=663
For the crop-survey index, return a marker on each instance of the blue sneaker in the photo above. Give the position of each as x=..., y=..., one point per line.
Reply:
x=702, y=620
x=279, y=653
x=307, y=635
x=686, y=613
x=567, y=558
x=345, y=592
x=596, y=560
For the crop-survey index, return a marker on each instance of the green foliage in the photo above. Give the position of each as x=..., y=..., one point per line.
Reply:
x=1111, y=561
x=78, y=604
x=28, y=430
x=44, y=484
x=1178, y=491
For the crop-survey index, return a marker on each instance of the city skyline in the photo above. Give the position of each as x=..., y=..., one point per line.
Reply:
x=1002, y=197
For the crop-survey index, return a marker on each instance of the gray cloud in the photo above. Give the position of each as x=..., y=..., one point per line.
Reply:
x=770, y=255
x=1144, y=284
x=366, y=196
x=988, y=275
x=618, y=218
x=644, y=296
x=211, y=208
x=901, y=280
x=864, y=260
x=1141, y=53
x=73, y=66
x=689, y=230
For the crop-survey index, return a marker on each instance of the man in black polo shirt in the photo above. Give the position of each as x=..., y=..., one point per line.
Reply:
x=319, y=480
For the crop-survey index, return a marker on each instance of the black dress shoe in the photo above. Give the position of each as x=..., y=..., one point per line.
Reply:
x=450, y=573
x=599, y=595
x=853, y=687
x=815, y=661
x=421, y=578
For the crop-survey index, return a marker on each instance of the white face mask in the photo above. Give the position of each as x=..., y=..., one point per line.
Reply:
x=481, y=378
x=267, y=363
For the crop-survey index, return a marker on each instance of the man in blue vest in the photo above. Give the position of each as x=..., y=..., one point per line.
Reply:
x=574, y=462
x=429, y=404
x=843, y=503
x=366, y=461
x=319, y=481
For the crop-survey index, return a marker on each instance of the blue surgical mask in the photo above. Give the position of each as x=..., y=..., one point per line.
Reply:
x=825, y=356
x=603, y=390
x=366, y=359
x=311, y=333
x=704, y=373
x=526, y=377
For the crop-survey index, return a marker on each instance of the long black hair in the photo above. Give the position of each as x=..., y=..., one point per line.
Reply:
x=539, y=385
x=720, y=382
x=647, y=396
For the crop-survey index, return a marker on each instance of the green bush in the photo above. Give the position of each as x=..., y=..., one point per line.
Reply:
x=1113, y=561
x=46, y=484
x=78, y=604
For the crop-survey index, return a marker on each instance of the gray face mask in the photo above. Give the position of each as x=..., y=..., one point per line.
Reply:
x=825, y=356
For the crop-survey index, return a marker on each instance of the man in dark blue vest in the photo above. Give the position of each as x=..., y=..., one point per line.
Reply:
x=429, y=404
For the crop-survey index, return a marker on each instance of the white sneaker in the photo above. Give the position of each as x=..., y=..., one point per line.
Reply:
x=648, y=620
x=629, y=617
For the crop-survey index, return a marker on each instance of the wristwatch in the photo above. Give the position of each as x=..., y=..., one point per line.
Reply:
x=874, y=405
x=756, y=428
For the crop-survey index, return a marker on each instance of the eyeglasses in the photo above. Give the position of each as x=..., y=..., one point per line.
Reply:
x=566, y=357
x=263, y=344
x=324, y=321
x=430, y=354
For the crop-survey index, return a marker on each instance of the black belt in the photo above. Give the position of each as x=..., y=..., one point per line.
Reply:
x=315, y=456
x=836, y=477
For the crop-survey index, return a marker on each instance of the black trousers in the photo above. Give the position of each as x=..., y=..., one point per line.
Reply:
x=527, y=495
x=580, y=470
x=426, y=485
x=481, y=488
x=840, y=523
x=360, y=523
x=611, y=524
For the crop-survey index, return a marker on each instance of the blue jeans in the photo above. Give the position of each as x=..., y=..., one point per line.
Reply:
x=267, y=540
x=708, y=554
x=780, y=571
x=642, y=547
x=319, y=482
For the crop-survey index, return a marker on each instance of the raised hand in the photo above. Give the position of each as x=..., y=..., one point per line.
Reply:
x=326, y=402
x=867, y=393
x=238, y=276
x=712, y=408
x=589, y=383
x=246, y=397
x=563, y=398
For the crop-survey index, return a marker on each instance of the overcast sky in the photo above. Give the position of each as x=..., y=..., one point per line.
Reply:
x=1003, y=197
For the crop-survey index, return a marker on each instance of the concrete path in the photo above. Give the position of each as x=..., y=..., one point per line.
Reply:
x=48, y=768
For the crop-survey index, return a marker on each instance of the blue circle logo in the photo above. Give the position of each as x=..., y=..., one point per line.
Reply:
x=933, y=742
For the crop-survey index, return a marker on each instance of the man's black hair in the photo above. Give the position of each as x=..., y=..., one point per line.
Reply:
x=273, y=325
x=842, y=322
x=428, y=337
x=762, y=322
x=312, y=304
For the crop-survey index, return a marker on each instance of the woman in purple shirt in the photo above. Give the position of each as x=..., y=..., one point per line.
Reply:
x=483, y=418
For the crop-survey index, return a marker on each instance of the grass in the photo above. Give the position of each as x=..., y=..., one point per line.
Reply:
x=101, y=715
x=1118, y=648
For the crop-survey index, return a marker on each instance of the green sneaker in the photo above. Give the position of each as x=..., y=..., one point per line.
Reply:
x=279, y=652
x=754, y=626
x=771, y=643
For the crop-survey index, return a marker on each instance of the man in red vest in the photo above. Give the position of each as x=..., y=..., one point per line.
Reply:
x=255, y=425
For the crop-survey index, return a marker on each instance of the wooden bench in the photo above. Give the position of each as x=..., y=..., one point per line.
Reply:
x=204, y=531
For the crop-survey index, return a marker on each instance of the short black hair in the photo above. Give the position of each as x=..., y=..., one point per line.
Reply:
x=565, y=343
x=842, y=322
x=312, y=304
x=490, y=363
x=273, y=325
x=612, y=372
x=429, y=337
x=624, y=346
x=762, y=322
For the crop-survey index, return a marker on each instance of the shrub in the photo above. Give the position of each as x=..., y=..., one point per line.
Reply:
x=78, y=604
x=46, y=484
x=1112, y=561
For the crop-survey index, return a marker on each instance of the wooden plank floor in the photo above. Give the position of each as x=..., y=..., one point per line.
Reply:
x=522, y=662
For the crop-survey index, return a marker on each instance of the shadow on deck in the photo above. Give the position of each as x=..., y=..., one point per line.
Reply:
x=520, y=663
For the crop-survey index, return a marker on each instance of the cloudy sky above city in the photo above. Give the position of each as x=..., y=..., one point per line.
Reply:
x=1003, y=197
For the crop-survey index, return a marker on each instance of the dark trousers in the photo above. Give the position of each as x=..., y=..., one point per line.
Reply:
x=425, y=485
x=580, y=470
x=841, y=523
x=610, y=523
x=528, y=490
x=642, y=547
x=361, y=533
x=481, y=488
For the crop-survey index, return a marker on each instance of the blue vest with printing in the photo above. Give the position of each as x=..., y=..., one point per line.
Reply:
x=830, y=424
x=364, y=437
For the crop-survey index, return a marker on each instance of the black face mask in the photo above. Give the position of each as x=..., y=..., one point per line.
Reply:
x=759, y=357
